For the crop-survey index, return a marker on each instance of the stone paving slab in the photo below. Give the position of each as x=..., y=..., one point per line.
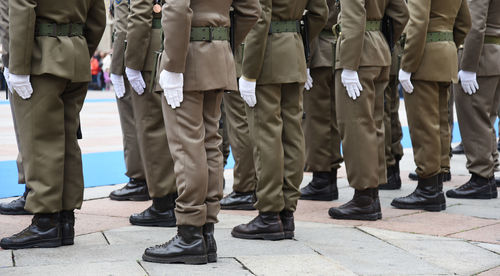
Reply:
x=312, y=264
x=145, y=236
x=491, y=247
x=492, y=272
x=394, y=235
x=472, y=211
x=129, y=268
x=223, y=266
x=85, y=224
x=488, y=234
x=100, y=192
x=113, y=208
x=5, y=259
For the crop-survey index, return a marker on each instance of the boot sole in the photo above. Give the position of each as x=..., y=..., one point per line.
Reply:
x=165, y=223
x=264, y=236
x=49, y=243
x=68, y=241
x=189, y=259
x=212, y=257
x=289, y=235
x=319, y=197
x=131, y=198
x=431, y=208
x=248, y=207
x=370, y=217
x=472, y=196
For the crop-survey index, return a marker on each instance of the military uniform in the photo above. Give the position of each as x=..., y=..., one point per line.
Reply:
x=143, y=40
x=435, y=30
x=274, y=58
x=362, y=47
x=136, y=189
x=322, y=137
x=477, y=112
x=47, y=120
x=197, y=42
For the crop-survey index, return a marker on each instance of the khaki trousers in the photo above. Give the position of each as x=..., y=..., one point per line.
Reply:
x=361, y=128
x=392, y=125
x=19, y=159
x=245, y=178
x=132, y=154
x=476, y=117
x=322, y=137
x=47, y=124
x=153, y=145
x=223, y=132
x=427, y=113
x=194, y=143
x=275, y=127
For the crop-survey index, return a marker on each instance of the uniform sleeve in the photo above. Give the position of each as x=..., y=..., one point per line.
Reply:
x=4, y=31
x=139, y=26
x=95, y=25
x=176, y=23
x=463, y=21
x=416, y=34
x=398, y=11
x=353, y=24
x=474, y=41
x=256, y=43
x=317, y=16
x=120, y=33
x=22, y=33
x=246, y=14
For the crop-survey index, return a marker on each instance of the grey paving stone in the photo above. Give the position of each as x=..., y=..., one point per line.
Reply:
x=223, y=266
x=230, y=221
x=147, y=236
x=5, y=258
x=310, y=264
x=489, y=246
x=101, y=268
x=363, y=253
x=488, y=212
x=90, y=239
x=100, y=192
x=394, y=235
x=459, y=257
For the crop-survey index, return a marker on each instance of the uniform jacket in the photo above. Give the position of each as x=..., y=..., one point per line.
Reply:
x=279, y=57
x=357, y=47
x=142, y=40
x=119, y=36
x=478, y=56
x=322, y=46
x=4, y=31
x=205, y=65
x=434, y=61
x=62, y=56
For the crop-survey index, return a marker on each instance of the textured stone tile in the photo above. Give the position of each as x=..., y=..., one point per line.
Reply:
x=147, y=236
x=95, y=268
x=5, y=259
x=86, y=224
x=223, y=266
x=90, y=239
x=491, y=247
x=387, y=235
x=100, y=192
x=294, y=265
x=492, y=272
x=486, y=212
x=13, y=224
x=113, y=208
x=488, y=234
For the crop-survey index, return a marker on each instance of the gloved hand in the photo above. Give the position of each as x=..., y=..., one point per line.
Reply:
x=309, y=81
x=6, y=76
x=468, y=81
x=350, y=80
x=136, y=80
x=118, y=85
x=22, y=85
x=404, y=78
x=247, y=91
x=172, y=85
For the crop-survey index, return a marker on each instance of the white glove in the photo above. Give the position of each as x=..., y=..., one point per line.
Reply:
x=136, y=80
x=247, y=91
x=350, y=80
x=6, y=76
x=309, y=81
x=404, y=79
x=118, y=85
x=172, y=85
x=468, y=81
x=21, y=85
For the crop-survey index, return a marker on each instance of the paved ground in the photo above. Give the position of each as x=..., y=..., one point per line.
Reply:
x=463, y=240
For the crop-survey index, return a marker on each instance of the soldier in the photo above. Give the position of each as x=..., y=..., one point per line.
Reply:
x=136, y=188
x=50, y=49
x=143, y=40
x=478, y=98
x=430, y=59
x=193, y=92
x=272, y=84
x=362, y=69
x=322, y=138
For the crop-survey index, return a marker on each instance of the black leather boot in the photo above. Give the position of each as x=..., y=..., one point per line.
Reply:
x=135, y=190
x=322, y=187
x=188, y=247
x=238, y=201
x=446, y=176
x=265, y=226
x=67, y=227
x=160, y=213
x=44, y=231
x=476, y=188
x=16, y=206
x=365, y=205
x=288, y=223
x=493, y=184
x=208, y=235
x=427, y=196
x=393, y=180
